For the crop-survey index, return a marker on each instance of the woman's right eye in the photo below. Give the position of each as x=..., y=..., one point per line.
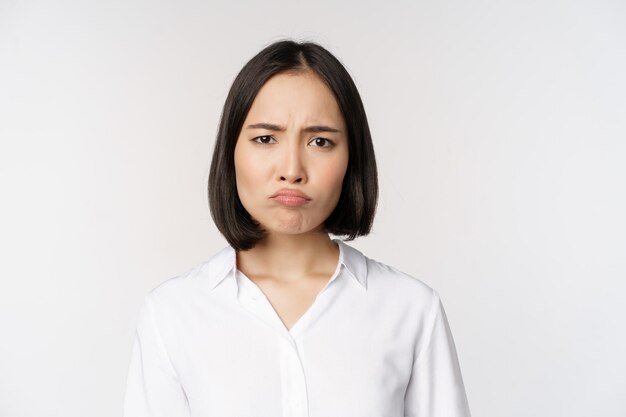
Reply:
x=263, y=138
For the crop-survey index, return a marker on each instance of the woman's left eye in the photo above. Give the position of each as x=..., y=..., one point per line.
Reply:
x=330, y=142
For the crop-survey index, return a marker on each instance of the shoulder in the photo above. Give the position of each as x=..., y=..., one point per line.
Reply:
x=181, y=282
x=400, y=297
x=396, y=284
x=381, y=273
x=381, y=277
x=190, y=283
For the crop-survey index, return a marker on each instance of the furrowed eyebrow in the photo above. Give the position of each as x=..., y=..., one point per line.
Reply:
x=315, y=129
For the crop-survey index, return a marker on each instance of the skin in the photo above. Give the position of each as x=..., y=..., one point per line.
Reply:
x=297, y=258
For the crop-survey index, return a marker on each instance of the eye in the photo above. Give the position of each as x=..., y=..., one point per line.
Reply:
x=263, y=138
x=330, y=142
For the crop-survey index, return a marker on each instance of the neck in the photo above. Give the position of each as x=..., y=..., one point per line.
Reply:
x=290, y=257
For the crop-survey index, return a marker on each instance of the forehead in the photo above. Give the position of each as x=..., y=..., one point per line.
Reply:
x=301, y=96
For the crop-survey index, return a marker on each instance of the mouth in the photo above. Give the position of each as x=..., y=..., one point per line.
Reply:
x=290, y=200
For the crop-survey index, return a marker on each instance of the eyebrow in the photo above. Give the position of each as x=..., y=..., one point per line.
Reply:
x=315, y=129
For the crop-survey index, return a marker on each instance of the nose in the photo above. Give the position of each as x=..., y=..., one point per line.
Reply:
x=292, y=167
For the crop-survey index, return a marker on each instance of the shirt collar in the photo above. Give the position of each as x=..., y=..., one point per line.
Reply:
x=222, y=264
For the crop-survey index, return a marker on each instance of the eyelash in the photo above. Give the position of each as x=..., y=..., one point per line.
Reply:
x=331, y=143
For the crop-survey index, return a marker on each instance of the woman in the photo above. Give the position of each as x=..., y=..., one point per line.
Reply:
x=284, y=320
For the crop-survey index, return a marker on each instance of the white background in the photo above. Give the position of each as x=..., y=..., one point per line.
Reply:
x=500, y=136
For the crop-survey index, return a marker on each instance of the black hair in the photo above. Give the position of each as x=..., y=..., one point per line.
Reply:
x=354, y=214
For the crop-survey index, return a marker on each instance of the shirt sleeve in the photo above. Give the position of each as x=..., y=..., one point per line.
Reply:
x=436, y=388
x=152, y=386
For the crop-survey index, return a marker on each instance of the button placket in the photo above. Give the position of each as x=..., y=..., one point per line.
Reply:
x=294, y=400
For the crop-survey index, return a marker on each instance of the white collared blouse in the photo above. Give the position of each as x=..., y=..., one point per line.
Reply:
x=374, y=343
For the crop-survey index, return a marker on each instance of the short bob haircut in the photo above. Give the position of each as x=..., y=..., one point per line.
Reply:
x=354, y=214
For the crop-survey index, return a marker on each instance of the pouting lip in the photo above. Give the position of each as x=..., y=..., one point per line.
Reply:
x=290, y=192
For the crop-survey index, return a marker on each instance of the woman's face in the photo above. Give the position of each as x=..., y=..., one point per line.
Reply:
x=285, y=142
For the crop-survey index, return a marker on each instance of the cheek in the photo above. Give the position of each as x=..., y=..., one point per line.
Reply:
x=332, y=177
x=246, y=168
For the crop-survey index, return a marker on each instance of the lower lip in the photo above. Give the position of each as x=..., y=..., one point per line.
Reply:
x=288, y=200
